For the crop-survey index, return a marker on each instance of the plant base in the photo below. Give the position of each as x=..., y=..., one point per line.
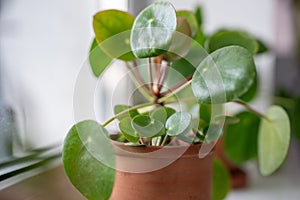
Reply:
x=186, y=177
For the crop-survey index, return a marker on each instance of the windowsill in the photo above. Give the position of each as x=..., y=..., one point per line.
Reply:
x=283, y=184
x=49, y=185
x=18, y=169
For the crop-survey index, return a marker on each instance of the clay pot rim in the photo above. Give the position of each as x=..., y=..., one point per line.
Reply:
x=166, y=151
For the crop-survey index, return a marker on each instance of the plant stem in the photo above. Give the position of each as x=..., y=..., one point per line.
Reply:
x=165, y=140
x=177, y=85
x=248, y=107
x=138, y=76
x=158, y=61
x=144, y=90
x=141, y=141
x=188, y=99
x=163, y=77
x=163, y=99
x=150, y=77
x=126, y=111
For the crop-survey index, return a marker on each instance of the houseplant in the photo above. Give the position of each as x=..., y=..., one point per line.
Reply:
x=164, y=54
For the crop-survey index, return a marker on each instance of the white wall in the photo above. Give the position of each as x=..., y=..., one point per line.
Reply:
x=43, y=44
x=257, y=16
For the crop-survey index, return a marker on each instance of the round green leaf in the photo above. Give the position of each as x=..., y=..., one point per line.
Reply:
x=191, y=19
x=162, y=114
x=114, y=25
x=122, y=108
x=273, y=140
x=240, y=140
x=234, y=65
x=231, y=37
x=128, y=131
x=146, y=126
x=153, y=30
x=90, y=176
x=221, y=180
x=252, y=92
x=179, y=123
x=98, y=59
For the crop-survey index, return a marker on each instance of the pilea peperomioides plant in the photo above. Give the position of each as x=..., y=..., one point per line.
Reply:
x=185, y=78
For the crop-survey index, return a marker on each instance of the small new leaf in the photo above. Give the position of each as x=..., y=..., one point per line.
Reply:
x=179, y=123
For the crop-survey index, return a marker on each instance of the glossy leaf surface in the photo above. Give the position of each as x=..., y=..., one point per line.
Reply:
x=252, y=92
x=146, y=126
x=179, y=123
x=162, y=114
x=153, y=30
x=224, y=75
x=89, y=175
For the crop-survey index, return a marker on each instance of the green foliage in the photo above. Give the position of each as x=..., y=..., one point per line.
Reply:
x=87, y=173
x=162, y=114
x=153, y=30
x=240, y=140
x=98, y=60
x=111, y=28
x=221, y=180
x=295, y=117
x=262, y=47
x=179, y=123
x=225, y=38
x=124, y=108
x=187, y=65
x=273, y=140
x=200, y=37
x=252, y=92
x=181, y=41
x=128, y=131
x=191, y=19
x=234, y=65
x=205, y=112
x=147, y=127
x=174, y=43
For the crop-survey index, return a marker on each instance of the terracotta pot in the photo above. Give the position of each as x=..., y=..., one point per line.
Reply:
x=172, y=172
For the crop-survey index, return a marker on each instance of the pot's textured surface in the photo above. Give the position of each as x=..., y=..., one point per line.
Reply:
x=184, y=176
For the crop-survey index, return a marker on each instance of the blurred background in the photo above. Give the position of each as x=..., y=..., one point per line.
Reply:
x=44, y=45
